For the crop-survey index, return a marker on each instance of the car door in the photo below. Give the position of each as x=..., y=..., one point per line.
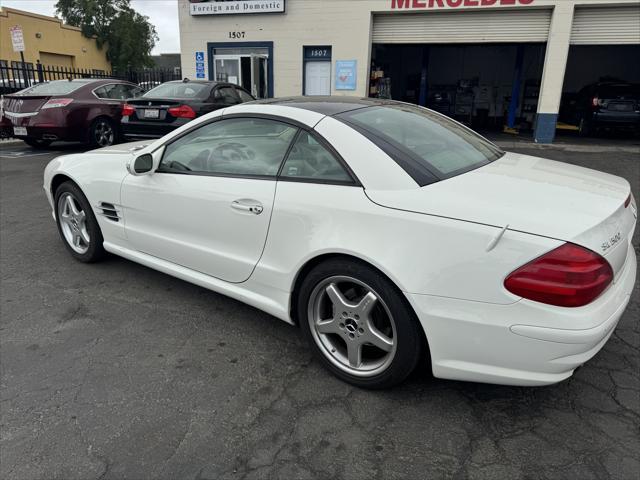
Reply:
x=113, y=96
x=208, y=205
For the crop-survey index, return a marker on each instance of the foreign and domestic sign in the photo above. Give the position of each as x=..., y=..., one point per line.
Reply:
x=346, y=74
x=17, y=38
x=234, y=7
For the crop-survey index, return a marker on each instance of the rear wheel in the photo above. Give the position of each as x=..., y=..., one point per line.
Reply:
x=102, y=133
x=358, y=324
x=585, y=128
x=35, y=143
x=77, y=224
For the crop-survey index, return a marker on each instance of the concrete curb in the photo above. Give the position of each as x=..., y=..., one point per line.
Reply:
x=11, y=141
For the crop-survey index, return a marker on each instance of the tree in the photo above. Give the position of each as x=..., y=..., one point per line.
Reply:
x=128, y=36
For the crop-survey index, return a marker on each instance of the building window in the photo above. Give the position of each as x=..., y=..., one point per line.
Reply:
x=316, y=70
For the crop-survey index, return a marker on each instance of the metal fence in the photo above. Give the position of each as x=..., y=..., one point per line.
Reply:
x=16, y=76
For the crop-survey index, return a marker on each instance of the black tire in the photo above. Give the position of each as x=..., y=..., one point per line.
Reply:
x=585, y=128
x=35, y=143
x=95, y=250
x=103, y=133
x=408, y=336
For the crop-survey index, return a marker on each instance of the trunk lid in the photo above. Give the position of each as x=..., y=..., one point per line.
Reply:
x=154, y=109
x=24, y=103
x=532, y=195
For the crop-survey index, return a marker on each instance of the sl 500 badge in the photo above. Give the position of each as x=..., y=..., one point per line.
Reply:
x=606, y=245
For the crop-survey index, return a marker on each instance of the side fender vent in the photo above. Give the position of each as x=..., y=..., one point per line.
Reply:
x=109, y=211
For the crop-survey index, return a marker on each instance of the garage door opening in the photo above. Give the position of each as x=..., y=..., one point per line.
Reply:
x=473, y=84
x=601, y=91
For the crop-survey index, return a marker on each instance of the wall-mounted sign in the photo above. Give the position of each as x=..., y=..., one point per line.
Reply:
x=422, y=4
x=17, y=38
x=231, y=7
x=346, y=74
x=200, y=65
x=317, y=53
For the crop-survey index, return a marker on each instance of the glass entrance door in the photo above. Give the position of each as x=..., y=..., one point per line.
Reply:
x=259, y=80
x=227, y=69
x=247, y=67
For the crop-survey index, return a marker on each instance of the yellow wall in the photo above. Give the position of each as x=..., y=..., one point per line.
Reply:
x=57, y=41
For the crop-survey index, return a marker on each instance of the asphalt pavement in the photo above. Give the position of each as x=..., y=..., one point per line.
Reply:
x=114, y=371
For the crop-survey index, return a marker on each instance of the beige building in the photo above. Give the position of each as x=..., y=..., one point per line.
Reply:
x=50, y=41
x=467, y=58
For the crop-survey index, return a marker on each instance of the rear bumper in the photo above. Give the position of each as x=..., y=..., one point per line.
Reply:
x=149, y=129
x=48, y=126
x=525, y=343
x=617, y=118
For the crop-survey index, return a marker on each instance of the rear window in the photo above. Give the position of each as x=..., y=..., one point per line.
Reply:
x=179, y=90
x=421, y=140
x=617, y=91
x=61, y=87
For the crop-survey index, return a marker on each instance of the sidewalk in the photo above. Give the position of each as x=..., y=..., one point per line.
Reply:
x=567, y=142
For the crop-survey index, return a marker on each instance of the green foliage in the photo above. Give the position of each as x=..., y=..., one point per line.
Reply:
x=128, y=36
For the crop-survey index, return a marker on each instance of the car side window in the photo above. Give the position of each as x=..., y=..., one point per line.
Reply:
x=114, y=91
x=309, y=160
x=227, y=95
x=101, y=92
x=237, y=146
x=244, y=96
x=132, y=91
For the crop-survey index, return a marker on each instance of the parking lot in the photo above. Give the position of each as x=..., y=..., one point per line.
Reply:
x=113, y=370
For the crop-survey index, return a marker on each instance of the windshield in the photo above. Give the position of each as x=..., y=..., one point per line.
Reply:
x=423, y=140
x=619, y=91
x=61, y=87
x=179, y=90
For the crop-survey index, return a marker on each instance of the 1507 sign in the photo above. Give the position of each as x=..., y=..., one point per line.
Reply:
x=236, y=35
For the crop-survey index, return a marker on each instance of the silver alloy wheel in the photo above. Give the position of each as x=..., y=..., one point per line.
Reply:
x=352, y=325
x=103, y=133
x=73, y=223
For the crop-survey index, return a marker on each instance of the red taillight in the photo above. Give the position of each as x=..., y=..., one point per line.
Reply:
x=128, y=110
x=183, y=111
x=627, y=201
x=56, y=103
x=569, y=276
x=595, y=101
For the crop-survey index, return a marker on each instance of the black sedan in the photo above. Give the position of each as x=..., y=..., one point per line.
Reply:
x=172, y=104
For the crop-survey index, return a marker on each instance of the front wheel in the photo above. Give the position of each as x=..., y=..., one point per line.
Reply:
x=77, y=224
x=359, y=324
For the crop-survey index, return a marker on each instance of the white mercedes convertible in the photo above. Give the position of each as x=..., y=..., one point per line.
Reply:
x=387, y=232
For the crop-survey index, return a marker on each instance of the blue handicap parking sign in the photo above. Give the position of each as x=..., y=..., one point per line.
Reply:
x=199, y=56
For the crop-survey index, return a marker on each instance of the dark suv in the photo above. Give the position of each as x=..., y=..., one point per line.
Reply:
x=604, y=105
x=172, y=104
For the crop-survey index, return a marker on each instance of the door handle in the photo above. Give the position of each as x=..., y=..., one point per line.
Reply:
x=250, y=206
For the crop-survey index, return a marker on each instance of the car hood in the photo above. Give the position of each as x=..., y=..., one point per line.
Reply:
x=531, y=195
x=128, y=148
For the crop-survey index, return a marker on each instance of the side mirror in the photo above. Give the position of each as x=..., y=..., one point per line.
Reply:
x=141, y=165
